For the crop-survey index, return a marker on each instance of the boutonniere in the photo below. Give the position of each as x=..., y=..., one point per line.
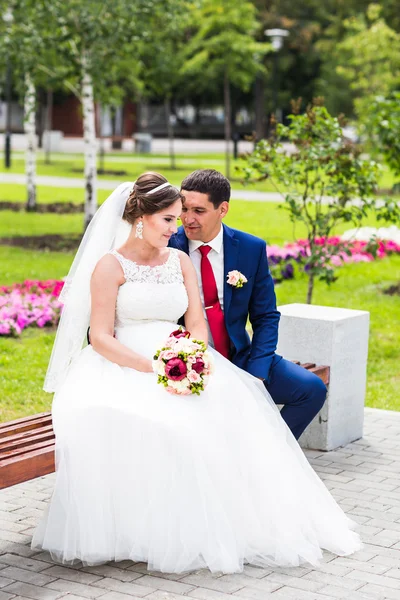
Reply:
x=236, y=278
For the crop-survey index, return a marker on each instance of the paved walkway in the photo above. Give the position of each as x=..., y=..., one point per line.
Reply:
x=364, y=477
x=159, y=145
x=111, y=184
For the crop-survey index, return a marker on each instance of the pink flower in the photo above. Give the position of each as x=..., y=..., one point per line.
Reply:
x=171, y=390
x=5, y=329
x=175, y=369
x=236, y=278
x=193, y=377
x=167, y=354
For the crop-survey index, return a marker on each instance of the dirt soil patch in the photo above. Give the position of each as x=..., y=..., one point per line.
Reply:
x=53, y=242
x=52, y=207
x=103, y=172
x=393, y=290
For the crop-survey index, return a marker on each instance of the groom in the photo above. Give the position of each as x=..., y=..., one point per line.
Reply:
x=216, y=250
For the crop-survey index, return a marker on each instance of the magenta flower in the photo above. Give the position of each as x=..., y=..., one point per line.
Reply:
x=175, y=369
x=198, y=366
x=179, y=333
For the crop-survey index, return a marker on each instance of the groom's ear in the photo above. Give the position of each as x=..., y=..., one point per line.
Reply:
x=223, y=209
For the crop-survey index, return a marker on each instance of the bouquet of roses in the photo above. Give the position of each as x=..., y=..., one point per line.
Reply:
x=183, y=364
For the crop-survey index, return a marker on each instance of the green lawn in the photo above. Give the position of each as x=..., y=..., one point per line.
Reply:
x=23, y=361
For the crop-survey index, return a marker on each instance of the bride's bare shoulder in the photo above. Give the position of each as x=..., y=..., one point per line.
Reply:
x=108, y=268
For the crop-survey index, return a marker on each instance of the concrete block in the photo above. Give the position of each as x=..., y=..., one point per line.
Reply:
x=337, y=337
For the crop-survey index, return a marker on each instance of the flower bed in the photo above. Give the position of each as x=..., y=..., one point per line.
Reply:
x=284, y=260
x=29, y=304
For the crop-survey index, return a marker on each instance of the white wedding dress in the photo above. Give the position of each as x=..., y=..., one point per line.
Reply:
x=179, y=482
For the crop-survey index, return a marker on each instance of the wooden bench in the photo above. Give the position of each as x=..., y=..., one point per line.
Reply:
x=27, y=445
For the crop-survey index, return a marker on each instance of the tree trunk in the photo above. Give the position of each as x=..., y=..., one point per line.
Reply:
x=102, y=151
x=89, y=135
x=260, y=113
x=170, y=130
x=30, y=132
x=228, y=133
x=310, y=288
x=48, y=125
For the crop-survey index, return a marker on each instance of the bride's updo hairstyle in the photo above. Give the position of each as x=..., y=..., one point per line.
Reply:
x=140, y=202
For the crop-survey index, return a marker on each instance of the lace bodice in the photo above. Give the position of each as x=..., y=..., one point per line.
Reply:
x=150, y=293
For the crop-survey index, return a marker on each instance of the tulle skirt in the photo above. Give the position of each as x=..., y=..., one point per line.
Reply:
x=181, y=482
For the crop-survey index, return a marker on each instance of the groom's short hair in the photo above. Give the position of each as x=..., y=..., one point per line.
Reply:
x=211, y=182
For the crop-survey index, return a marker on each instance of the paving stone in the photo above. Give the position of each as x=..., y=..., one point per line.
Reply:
x=207, y=580
x=296, y=582
x=159, y=583
x=369, y=566
x=71, y=574
x=251, y=593
x=4, y=581
x=32, y=591
x=26, y=576
x=115, y=596
x=382, y=580
x=63, y=586
x=31, y=564
x=388, y=593
x=12, y=536
x=113, y=585
x=6, y=595
x=16, y=548
x=206, y=594
x=113, y=572
x=337, y=592
x=161, y=595
x=328, y=579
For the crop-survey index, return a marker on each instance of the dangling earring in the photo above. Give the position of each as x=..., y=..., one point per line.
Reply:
x=139, y=230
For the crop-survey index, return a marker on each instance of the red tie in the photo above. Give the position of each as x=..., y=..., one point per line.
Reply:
x=215, y=315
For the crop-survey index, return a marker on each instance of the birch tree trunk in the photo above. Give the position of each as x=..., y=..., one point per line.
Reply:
x=30, y=132
x=228, y=133
x=89, y=136
x=48, y=127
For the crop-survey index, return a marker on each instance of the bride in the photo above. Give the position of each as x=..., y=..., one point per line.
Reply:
x=179, y=482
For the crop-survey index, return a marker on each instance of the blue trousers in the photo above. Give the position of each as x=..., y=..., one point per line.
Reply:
x=302, y=393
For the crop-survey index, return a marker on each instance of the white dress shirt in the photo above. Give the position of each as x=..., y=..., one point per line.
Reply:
x=216, y=258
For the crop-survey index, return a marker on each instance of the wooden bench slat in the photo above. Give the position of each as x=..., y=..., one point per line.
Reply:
x=323, y=373
x=23, y=420
x=22, y=468
x=11, y=429
x=25, y=450
x=21, y=441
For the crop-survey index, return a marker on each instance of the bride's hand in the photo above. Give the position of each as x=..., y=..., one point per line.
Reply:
x=146, y=366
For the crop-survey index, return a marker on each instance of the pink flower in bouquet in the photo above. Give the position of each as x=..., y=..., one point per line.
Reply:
x=175, y=369
x=193, y=377
x=198, y=366
x=167, y=354
x=179, y=333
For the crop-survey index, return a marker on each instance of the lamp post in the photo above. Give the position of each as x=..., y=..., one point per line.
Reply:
x=8, y=19
x=276, y=36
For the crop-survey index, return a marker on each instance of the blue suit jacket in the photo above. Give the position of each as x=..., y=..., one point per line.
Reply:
x=255, y=300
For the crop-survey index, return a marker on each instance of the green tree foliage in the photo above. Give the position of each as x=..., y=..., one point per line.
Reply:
x=384, y=128
x=370, y=58
x=327, y=182
x=222, y=51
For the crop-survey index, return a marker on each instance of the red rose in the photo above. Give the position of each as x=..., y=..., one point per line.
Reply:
x=179, y=333
x=198, y=366
x=175, y=369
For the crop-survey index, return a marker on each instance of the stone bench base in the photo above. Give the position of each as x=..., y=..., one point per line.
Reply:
x=336, y=337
